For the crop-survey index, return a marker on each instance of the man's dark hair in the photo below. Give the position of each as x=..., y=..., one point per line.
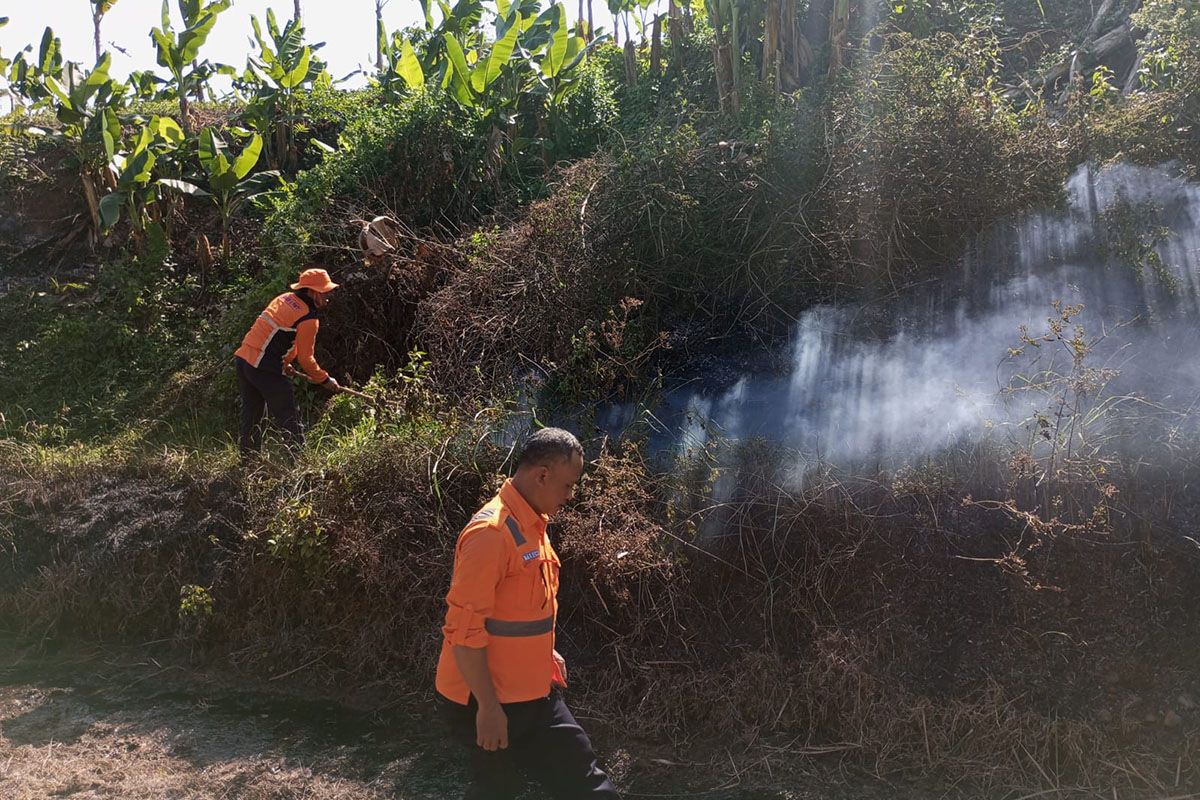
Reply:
x=548, y=446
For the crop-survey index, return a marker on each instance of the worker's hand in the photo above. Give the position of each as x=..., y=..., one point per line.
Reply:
x=331, y=384
x=560, y=671
x=290, y=371
x=491, y=728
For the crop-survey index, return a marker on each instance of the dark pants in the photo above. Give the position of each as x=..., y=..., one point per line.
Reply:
x=545, y=743
x=262, y=389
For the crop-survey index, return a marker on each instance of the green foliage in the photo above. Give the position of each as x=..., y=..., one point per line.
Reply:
x=419, y=159
x=179, y=52
x=273, y=82
x=194, y=602
x=1132, y=237
x=231, y=184
x=1171, y=54
x=927, y=153
x=134, y=191
x=297, y=535
x=587, y=117
x=529, y=66
x=93, y=358
x=28, y=77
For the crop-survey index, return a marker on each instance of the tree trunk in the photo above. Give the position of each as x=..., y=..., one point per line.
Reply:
x=297, y=7
x=816, y=35
x=839, y=34
x=735, y=52
x=795, y=52
x=1101, y=47
x=630, y=61
x=674, y=24
x=1089, y=36
x=727, y=96
x=184, y=120
x=590, y=34
x=1131, y=81
x=96, y=17
x=771, y=45
x=380, y=34
x=656, y=45
x=93, y=202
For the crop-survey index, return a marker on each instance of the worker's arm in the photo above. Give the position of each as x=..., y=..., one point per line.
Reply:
x=491, y=723
x=478, y=568
x=302, y=350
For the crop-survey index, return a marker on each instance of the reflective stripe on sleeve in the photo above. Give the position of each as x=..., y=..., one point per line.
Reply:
x=534, y=627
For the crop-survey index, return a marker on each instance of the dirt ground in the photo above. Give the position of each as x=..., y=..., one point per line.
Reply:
x=105, y=725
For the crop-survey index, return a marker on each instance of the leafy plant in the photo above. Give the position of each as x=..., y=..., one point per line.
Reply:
x=284, y=65
x=135, y=192
x=179, y=52
x=194, y=601
x=27, y=78
x=401, y=72
x=87, y=110
x=230, y=183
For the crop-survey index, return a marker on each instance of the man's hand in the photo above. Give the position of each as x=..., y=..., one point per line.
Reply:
x=331, y=384
x=290, y=371
x=491, y=727
x=560, y=673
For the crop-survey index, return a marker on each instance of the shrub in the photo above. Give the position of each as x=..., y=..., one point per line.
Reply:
x=419, y=160
x=927, y=155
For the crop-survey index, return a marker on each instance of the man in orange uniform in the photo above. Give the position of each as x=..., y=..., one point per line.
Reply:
x=499, y=675
x=285, y=331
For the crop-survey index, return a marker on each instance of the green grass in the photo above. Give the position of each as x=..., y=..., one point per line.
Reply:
x=90, y=361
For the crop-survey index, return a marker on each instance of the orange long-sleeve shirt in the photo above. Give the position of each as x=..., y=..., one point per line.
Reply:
x=284, y=332
x=503, y=597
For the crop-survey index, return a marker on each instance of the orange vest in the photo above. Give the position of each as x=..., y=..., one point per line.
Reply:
x=503, y=596
x=286, y=330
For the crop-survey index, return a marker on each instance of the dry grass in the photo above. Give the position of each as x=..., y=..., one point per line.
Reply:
x=56, y=744
x=869, y=624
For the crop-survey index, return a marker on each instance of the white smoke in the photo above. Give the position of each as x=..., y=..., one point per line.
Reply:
x=851, y=398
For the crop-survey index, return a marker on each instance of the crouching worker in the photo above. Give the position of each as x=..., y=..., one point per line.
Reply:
x=285, y=331
x=499, y=676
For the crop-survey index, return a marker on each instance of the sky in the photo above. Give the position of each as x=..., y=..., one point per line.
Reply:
x=346, y=26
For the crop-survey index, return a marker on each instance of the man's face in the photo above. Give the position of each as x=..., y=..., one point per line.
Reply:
x=320, y=299
x=556, y=483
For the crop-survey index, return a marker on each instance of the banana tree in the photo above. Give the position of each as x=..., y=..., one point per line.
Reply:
x=272, y=79
x=87, y=110
x=26, y=76
x=555, y=66
x=401, y=71
x=473, y=79
x=135, y=192
x=460, y=21
x=230, y=184
x=724, y=15
x=621, y=10
x=145, y=85
x=178, y=52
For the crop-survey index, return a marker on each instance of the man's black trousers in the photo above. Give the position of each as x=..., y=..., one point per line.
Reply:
x=545, y=744
x=270, y=390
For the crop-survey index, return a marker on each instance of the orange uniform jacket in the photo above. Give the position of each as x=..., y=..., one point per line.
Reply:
x=286, y=330
x=503, y=596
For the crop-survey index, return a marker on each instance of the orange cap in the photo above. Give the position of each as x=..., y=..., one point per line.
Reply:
x=316, y=279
